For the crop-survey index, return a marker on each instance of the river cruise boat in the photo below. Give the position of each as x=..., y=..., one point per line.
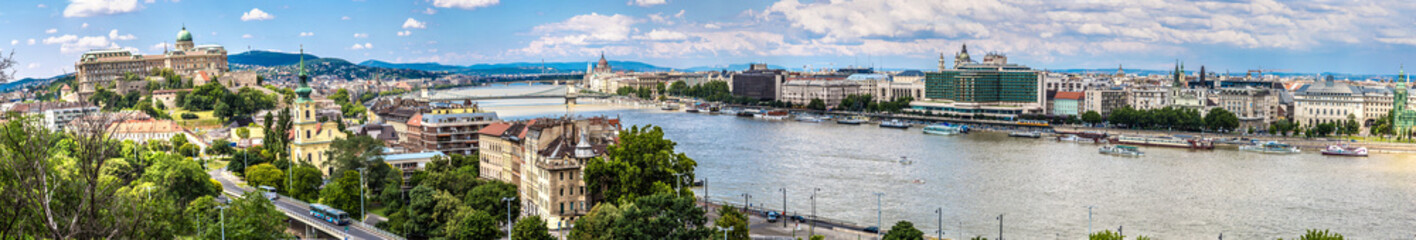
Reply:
x=691, y=110
x=944, y=129
x=1121, y=150
x=1069, y=138
x=1347, y=151
x=895, y=123
x=853, y=120
x=1025, y=134
x=670, y=107
x=773, y=115
x=1164, y=141
x=1270, y=147
x=810, y=118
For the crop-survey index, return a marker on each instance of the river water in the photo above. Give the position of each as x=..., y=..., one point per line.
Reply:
x=1042, y=187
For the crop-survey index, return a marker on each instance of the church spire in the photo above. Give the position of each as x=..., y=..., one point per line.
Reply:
x=304, y=90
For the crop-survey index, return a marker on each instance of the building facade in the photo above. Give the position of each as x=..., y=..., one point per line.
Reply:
x=1103, y=100
x=448, y=128
x=1255, y=107
x=759, y=83
x=1068, y=103
x=801, y=92
x=309, y=137
x=994, y=89
x=103, y=68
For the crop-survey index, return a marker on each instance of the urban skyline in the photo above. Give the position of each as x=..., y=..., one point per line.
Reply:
x=1312, y=37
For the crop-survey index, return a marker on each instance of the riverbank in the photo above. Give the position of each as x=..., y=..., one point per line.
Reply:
x=1305, y=143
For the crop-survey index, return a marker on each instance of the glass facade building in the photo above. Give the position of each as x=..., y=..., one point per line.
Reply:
x=984, y=83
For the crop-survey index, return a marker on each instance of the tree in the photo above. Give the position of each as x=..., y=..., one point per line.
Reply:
x=816, y=104
x=473, y=224
x=265, y=175
x=678, y=88
x=662, y=216
x=531, y=228
x=359, y=151
x=421, y=224
x=1091, y=117
x=903, y=230
x=343, y=193
x=305, y=183
x=641, y=164
x=249, y=217
x=243, y=132
x=598, y=224
x=1314, y=234
x=733, y=217
x=220, y=147
x=189, y=150
x=1352, y=127
x=183, y=179
x=56, y=189
x=1219, y=119
x=1106, y=235
x=488, y=196
x=8, y=63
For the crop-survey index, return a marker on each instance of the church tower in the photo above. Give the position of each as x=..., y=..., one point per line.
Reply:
x=310, y=138
x=942, y=65
x=963, y=57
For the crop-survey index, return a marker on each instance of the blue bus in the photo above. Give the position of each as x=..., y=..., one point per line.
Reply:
x=329, y=214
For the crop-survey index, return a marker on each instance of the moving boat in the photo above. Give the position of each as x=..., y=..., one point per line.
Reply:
x=730, y=111
x=1165, y=141
x=1270, y=147
x=944, y=129
x=810, y=119
x=773, y=115
x=1069, y=138
x=1348, y=151
x=691, y=110
x=895, y=123
x=747, y=113
x=906, y=161
x=853, y=120
x=1025, y=134
x=669, y=107
x=1121, y=150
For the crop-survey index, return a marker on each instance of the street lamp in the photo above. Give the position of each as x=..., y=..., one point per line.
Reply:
x=508, y=200
x=362, y=215
x=1089, y=219
x=940, y=211
x=1000, y=226
x=747, y=202
x=784, y=205
x=878, y=225
x=223, y=220
x=813, y=210
x=678, y=178
x=725, y=231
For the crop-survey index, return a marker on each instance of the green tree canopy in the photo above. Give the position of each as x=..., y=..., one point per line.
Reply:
x=641, y=164
x=265, y=175
x=488, y=196
x=473, y=224
x=903, y=230
x=184, y=179
x=1106, y=235
x=343, y=193
x=531, y=228
x=729, y=216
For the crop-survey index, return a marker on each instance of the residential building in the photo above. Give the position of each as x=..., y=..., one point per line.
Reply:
x=1068, y=103
x=142, y=130
x=447, y=127
x=500, y=151
x=801, y=92
x=103, y=68
x=1142, y=98
x=552, y=179
x=1327, y=101
x=1255, y=107
x=410, y=163
x=759, y=83
x=56, y=116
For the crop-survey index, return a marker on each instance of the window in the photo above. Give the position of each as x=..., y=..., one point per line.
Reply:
x=307, y=134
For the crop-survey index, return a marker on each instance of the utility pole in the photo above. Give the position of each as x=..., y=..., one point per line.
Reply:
x=678, y=177
x=1000, y=226
x=1089, y=220
x=362, y=214
x=747, y=202
x=223, y=221
x=813, y=210
x=940, y=211
x=878, y=213
x=784, y=205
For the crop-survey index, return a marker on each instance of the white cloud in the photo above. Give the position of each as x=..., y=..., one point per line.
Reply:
x=362, y=47
x=114, y=35
x=430, y=11
x=69, y=44
x=247, y=36
x=711, y=26
x=662, y=35
x=30, y=42
x=14, y=42
x=412, y=23
x=61, y=39
x=645, y=3
x=84, y=26
x=346, y=18
x=464, y=4
x=585, y=29
x=32, y=66
x=361, y=35
x=160, y=46
x=256, y=15
x=41, y=5
x=51, y=31
x=405, y=33
x=306, y=34
x=88, y=8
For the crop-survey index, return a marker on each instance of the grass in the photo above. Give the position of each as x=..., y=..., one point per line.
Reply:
x=204, y=120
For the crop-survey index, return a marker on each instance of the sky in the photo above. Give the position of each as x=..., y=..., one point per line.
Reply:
x=1345, y=36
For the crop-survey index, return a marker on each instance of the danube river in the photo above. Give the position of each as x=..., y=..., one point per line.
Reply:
x=1041, y=187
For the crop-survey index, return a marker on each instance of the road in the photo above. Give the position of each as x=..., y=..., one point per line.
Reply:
x=294, y=208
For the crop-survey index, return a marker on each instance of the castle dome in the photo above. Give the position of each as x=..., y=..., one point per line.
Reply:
x=184, y=35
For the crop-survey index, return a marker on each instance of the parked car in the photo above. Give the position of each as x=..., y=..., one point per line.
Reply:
x=772, y=216
x=798, y=218
x=872, y=229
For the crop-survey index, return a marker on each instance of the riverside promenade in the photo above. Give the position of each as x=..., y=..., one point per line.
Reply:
x=1305, y=143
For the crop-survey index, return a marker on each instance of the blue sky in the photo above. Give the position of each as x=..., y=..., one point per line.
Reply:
x=1236, y=35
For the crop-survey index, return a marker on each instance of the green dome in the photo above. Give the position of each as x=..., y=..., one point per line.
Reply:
x=184, y=35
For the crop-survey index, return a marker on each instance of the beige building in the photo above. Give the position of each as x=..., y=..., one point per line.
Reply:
x=1254, y=107
x=309, y=137
x=801, y=92
x=500, y=151
x=545, y=159
x=449, y=128
x=1103, y=100
x=142, y=130
x=101, y=68
x=1327, y=102
x=1149, y=98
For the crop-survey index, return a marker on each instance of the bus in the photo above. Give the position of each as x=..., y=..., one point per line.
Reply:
x=329, y=214
x=269, y=192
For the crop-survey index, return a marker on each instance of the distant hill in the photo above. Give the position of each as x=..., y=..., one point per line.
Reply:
x=267, y=58
x=730, y=67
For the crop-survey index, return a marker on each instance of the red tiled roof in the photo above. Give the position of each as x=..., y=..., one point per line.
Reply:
x=416, y=120
x=1070, y=95
x=523, y=131
x=494, y=129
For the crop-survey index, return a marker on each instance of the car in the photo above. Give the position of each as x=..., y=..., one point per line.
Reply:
x=772, y=216
x=872, y=229
x=798, y=218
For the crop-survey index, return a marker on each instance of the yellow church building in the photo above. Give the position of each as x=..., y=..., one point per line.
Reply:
x=310, y=138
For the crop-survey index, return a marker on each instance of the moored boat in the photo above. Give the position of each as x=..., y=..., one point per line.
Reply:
x=1121, y=150
x=670, y=107
x=747, y=113
x=894, y=123
x=1165, y=141
x=1270, y=147
x=1069, y=138
x=1025, y=134
x=944, y=129
x=691, y=110
x=773, y=115
x=810, y=119
x=853, y=120
x=1349, y=151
